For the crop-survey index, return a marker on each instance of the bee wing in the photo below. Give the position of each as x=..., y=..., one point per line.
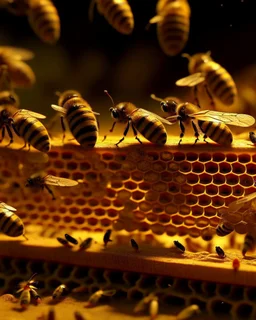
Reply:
x=109, y=293
x=58, y=181
x=165, y=121
x=190, y=81
x=58, y=108
x=29, y=113
x=234, y=119
x=6, y=206
x=18, y=53
x=233, y=205
x=172, y=119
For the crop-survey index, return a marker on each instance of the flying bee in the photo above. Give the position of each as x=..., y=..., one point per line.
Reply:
x=212, y=123
x=173, y=23
x=147, y=123
x=249, y=243
x=79, y=116
x=38, y=182
x=95, y=297
x=252, y=137
x=224, y=228
x=20, y=73
x=188, y=312
x=10, y=223
x=217, y=81
x=60, y=292
x=118, y=14
x=25, y=124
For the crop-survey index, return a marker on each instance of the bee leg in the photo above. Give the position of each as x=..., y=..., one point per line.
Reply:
x=10, y=136
x=205, y=137
x=135, y=133
x=196, y=97
x=50, y=191
x=111, y=130
x=196, y=132
x=209, y=95
x=182, y=128
x=63, y=128
x=125, y=133
x=3, y=134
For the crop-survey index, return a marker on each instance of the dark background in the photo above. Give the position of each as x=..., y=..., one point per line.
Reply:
x=91, y=57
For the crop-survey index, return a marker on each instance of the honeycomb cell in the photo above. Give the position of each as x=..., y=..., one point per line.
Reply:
x=198, y=189
x=211, y=167
x=177, y=220
x=251, y=169
x=197, y=211
x=179, y=156
x=204, y=200
x=91, y=176
x=164, y=218
x=218, y=157
x=120, y=157
x=158, y=229
x=225, y=168
x=181, y=286
x=137, y=195
x=219, y=179
x=137, y=176
x=151, y=196
x=244, y=311
x=145, y=206
x=86, y=211
x=185, y=189
x=185, y=166
x=211, y=190
x=225, y=191
x=189, y=221
x=79, y=220
x=152, y=217
x=220, y=307
x=160, y=186
x=166, y=156
x=250, y=294
x=159, y=166
x=107, y=156
x=238, y=168
x=209, y=289
x=179, y=199
x=208, y=233
x=129, y=166
x=151, y=176
x=179, y=178
x=204, y=157
x=191, y=200
x=218, y=202
x=232, y=179
x=184, y=210
x=157, y=209
x=173, y=188
x=192, y=156
x=129, y=185
x=173, y=166
x=117, y=184
x=123, y=194
x=166, y=176
x=238, y=191
x=144, y=227
x=246, y=181
x=244, y=158
x=122, y=175
x=171, y=209
x=197, y=167
x=202, y=222
x=192, y=178
x=114, y=166
x=144, y=165
x=205, y=178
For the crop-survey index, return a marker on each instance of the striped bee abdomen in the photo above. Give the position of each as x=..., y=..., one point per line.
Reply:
x=224, y=228
x=173, y=30
x=83, y=124
x=217, y=131
x=151, y=128
x=220, y=83
x=33, y=132
x=44, y=20
x=118, y=13
x=11, y=224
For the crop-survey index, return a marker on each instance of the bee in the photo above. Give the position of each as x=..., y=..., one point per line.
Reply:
x=71, y=239
x=78, y=316
x=25, y=124
x=25, y=289
x=86, y=244
x=217, y=81
x=35, y=296
x=153, y=308
x=94, y=298
x=212, y=123
x=236, y=264
x=79, y=116
x=25, y=298
x=141, y=305
x=20, y=73
x=249, y=243
x=147, y=123
x=60, y=291
x=38, y=182
x=134, y=245
x=118, y=14
x=64, y=242
x=173, y=23
x=252, y=137
x=179, y=246
x=106, y=238
x=188, y=312
x=224, y=228
x=44, y=19
x=10, y=223
x=220, y=252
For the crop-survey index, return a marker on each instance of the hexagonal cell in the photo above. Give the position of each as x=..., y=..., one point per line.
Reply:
x=159, y=166
x=179, y=156
x=174, y=188
x=223, y=289
x=184, y=210
x=137, y=176
x=145, y=186
x=211, y=190
x=195, y=286
x=238, y=168
x=244, y=158
x=164, y=282
x=164, y=218
x=225, y=191
x=165, y=198
x=218, y=201
x=107, y=156
x=220, y=307
x=157, y=209
x=205, y=157
x=181, y=286
x=197, y=211
x=145, y=206
x=185, y=166
x=171, y=209
x=171, y=230
x=209, y=289
x=231, y=157
x=232, y=179
x=198, y=189
x=179, y=177
x=225, y=167
x=192, y=178
x=192, y=156
x=191, y=200
x=166, y=176
x=137, y=195
x=151, y=196
x=218, y=179
x=251, y=168
x=238, y=191
x=179, y=199
x=211, y=167
x=129, y=166
x=144, y=227
x=143, y=165
x=204, y=200
x=250, y=293
x=205, y=178
x=202, y=222
x=160, y=186
x=244, y=311
x=185, y=189
x=246, y=180
x=173, y=166
x=124, y=194
x=189, y=221
x=197, y=167
x=177, y=219
x=158, y=229
x=129, y=185
x=151, y=176
x=208, y=233
x=166, y=156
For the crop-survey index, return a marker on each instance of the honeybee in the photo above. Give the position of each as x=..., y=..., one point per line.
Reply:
x=86, y=244
x=71, y=239
x=173, y=23
x=44, y=19
x=25, y=298
x=153, y=308
x=60, y=291
x=94, y=298
x=188, y=312
x=179, y=246
x=211, y=123
x=135, y=245
x=220, y=252
x=249, y=243
x=224, y=228
x=20, y=73
x=141, y=305
x=25, y=125
x=106, y=237
x=217, y=81
x=25, y=289
x=252, y=137
x=38, y=182
x=118, y=13
x=10, y=223
x=35, y=296
x=79, y=116
x=147, y=123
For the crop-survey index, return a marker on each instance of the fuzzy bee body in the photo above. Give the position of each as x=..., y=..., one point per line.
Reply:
x=173, y=23
x=249, y=243
x=79, y=116
x=44, y=20
x=85, y=244
x=118, y=13
x=252, y=137
x=10, y=223
x=224, y=228
x=25, y=298
x=60, y=291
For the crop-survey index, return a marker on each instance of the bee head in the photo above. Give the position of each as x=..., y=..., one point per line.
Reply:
x=196, y=60
x=29, y=182
x=114, y=113
x=169, y=106
x=66, y=95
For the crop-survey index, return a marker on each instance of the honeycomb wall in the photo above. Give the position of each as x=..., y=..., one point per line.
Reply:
x=215, y=299
x=139, y=188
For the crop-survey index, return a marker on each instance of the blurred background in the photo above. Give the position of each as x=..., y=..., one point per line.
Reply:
x=91, y=57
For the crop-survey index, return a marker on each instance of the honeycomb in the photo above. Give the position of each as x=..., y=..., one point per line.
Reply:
x=167, y=190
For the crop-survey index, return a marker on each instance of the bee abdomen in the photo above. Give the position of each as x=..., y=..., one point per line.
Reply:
x=173, y=30
x=11, y=225
x=118, y=14
x=83, y=125
x=33, y=132
x=152, y=130
x=44, y=20
x=224, y=229
x=217, y=131
x=221, y=84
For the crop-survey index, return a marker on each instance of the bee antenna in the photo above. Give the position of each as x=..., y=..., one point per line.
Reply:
x=106, y=91
x=25, y=237
x=186, y=55
x=58, y=93
x=154, y=97
x=32, y=277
